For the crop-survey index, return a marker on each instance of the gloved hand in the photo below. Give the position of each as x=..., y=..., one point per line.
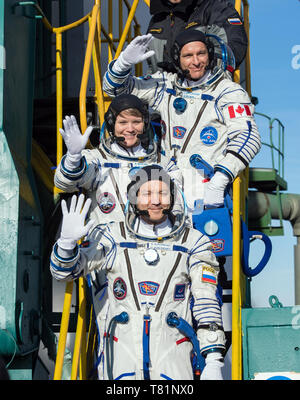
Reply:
x=212, y=370
x=134, y=53
x=73, y=223
x=74, y=141
x=214, y=190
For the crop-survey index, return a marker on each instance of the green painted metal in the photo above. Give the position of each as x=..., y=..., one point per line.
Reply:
x=9, y=212
x=271, y=340
x=266, y=179
x=277, y=162
x=270, y=180
x=20, y=211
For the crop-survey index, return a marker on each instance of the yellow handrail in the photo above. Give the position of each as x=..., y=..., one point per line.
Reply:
x=126, y=28
x=240, y=189
x=80, y=337
x=79, y=353
x=81, y=324
x=86, y=68
x=93, y=51
x=63, y=332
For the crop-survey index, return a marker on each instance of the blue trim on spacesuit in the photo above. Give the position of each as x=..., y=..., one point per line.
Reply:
x=211, y=347
x=134, y=245
x=75, y=174
x=113, y=84
x=146, y=356
x=64, y=260
x=116, y=74
x=166, y=377
x=125, y=374
x=225, y=171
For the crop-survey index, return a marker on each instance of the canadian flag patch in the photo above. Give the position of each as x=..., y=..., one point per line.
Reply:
x=239, y=110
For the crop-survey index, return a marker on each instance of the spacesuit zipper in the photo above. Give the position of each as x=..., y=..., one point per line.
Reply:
x=169, y=127
x=146, y=337
x=172, y=19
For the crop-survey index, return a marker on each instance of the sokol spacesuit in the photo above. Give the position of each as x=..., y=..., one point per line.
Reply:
x=104, y=173
x=207, y=118
x=154, y=265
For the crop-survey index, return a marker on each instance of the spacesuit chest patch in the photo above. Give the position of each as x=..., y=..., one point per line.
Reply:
x=119, y=289
x=209, y=135
x=148, y=288
x=106, y=202
x=179, y=132
x=179, y=292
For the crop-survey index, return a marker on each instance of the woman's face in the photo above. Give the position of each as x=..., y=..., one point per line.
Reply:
x=129, y=126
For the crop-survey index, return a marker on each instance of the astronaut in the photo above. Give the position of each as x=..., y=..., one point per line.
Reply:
x=169, y=17
x=207, y=118
x=126, y=144
x=154, y=265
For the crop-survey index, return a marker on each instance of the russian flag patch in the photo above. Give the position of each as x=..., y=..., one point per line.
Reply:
x=234, y=21
x=209, y=275
x=239, y=110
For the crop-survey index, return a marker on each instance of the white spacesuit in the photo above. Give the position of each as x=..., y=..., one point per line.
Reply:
x=208, y=123
x=104, y=173
x=153, y=269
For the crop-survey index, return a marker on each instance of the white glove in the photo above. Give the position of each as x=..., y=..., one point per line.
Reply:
x=74, y=141
x=212, y=370
x=134, y=53
x=214, y=190
x=73, y=223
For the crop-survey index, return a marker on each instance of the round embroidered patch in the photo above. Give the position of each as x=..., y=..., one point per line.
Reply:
x=106, y=202
x=180, y=104
x=209, y=135
x=119, y=289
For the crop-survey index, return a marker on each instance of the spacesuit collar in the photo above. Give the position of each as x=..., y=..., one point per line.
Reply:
x=188, y=83
x=144, y=228
x=204, y=83
x=136, y=153
x=164, y=231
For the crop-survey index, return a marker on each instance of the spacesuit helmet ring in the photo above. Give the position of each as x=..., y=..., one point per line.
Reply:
x=185, y=37
x=149, y=173
x=221, y=58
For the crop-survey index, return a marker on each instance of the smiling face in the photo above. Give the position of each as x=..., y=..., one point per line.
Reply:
x=194, y=58
x=129, y=123
x=154, y=197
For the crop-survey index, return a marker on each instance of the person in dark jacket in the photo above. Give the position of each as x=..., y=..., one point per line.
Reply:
x=216, y=17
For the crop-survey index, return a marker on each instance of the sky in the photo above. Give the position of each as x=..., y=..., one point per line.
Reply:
x=275, y=80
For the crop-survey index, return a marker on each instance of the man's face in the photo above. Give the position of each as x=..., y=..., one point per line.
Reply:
x=194, y=58
x=154, y=197
x=175, y=1
x=129, y=126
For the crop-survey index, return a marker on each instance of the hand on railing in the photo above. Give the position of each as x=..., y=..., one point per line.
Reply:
x=214, y=191
x=135, y=52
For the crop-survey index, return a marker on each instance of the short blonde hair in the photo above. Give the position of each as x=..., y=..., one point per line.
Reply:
x=132, y=111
